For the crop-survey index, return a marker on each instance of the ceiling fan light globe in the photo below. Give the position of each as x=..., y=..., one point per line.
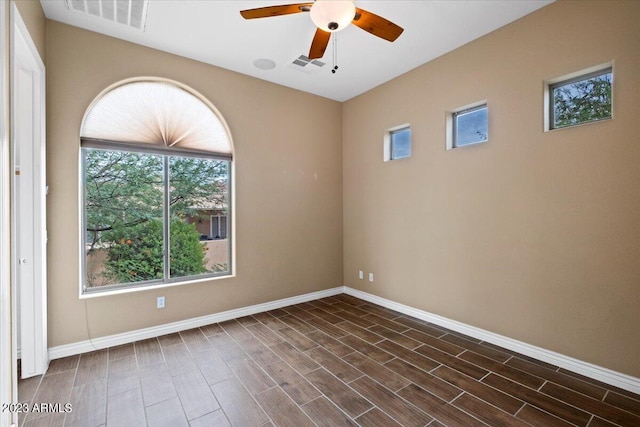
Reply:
x=332, y=15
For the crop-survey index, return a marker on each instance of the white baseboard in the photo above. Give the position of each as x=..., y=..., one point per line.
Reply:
x=599, y=373
x=156, y=331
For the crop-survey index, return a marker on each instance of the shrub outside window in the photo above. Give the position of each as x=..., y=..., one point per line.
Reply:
x=582, y=99
x=470, y=126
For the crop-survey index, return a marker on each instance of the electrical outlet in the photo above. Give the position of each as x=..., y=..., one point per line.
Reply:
x=160, y=302
x=361, y=275
x=371, y=277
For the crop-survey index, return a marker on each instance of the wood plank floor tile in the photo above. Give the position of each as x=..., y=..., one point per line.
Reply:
x=427, y=381
x=407, y=355
x=212, y=329
x=349, y=299
x=599, y=422
x=380, y=311
x=419, y=325
x=596, y=407
x=437, y=408
x=89, y=402
x=194, y=394
x=326, y=327
x=297, y=324
x=325, y=305
x=373, y=351
x=539, y=418
x=53, y=420
x=331, y=344
x=377, y=371
x=390, y=403
x=157, y=387
x=126, y=409
x=259, y=352
x=212, y=419
x=539, y=400
x=339, y=393
x=195, y=340
x=178, y=359
x=241, y=409
x=334, y=364
x=324, y=315
x=396, y=337
x=502, y=369
x=123, y=376
x=326, y=414
x=463, y=366
x=495, y=397
x=251, y=376
x=148, y=353
x=389, y=324
x=295, y=338
x=120, y=351
x=55, y=388
x=63, y=364
x=265, y=334
x=558, y=377
x=623, y=402
x=282, y=410
x=299, y=312
x=212, y=367
x=438, y=343
x=299, y=361
x=226, y=347
x=294, y=384
x=362, y=333
x=491, y=353
x=170, y=339
x=343, y=306
x=269, y=320
x=92, y=366
x=360, y=321
x=27, y=388
x=487, y=413
x=166, y=414
x=376, y=418
x=236, y=330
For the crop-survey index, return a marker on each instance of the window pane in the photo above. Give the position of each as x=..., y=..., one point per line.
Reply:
x=123, y=217
x=198, y=199
x=582, y=101
x=470, y=126
x=400, y=143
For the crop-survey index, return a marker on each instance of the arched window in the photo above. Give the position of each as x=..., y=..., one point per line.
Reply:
x=157, y=165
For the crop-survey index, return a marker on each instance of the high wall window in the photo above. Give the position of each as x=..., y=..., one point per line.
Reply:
x=397, y=143
x=581, y=98
x=156, y=162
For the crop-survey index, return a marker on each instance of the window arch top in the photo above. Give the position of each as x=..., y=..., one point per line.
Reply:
x=156, y=114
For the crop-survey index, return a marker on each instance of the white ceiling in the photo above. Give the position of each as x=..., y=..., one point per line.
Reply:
x=212, y=31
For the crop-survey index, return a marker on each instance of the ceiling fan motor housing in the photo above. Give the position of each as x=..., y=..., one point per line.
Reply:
x=332, y=15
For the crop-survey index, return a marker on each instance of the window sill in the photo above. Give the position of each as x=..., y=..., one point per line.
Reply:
x=98, y=294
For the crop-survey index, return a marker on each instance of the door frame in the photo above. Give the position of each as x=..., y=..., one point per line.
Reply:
x=8, y=381
x=32, y=310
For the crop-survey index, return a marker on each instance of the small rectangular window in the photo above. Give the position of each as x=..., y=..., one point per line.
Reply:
x=470, y=126
x=400, y=143
x=397, y=143
x=581, y=99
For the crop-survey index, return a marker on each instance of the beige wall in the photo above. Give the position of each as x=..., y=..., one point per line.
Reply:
x=288, y=187
x=533, y=235
x=34, y=19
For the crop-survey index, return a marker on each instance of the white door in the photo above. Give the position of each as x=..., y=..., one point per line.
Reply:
x=29, y=192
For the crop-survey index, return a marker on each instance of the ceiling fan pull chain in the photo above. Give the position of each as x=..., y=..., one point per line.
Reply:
x=335, y=53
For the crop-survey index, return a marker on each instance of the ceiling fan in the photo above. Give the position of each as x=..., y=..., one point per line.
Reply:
x=331, y=16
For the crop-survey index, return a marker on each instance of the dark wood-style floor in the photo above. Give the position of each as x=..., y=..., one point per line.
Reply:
x=331, y=362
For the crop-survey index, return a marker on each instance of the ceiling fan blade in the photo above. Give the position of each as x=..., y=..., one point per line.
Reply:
x=319, y=44
x=284, y=9
x=377, y=25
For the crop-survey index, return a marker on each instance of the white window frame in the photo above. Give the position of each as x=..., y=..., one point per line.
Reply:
x=387, y=142
x=577, y=76
x=451, y=127
x=128, y=288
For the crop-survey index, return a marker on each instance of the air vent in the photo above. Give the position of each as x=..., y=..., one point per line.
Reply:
x=306, y=65
x=132, y=13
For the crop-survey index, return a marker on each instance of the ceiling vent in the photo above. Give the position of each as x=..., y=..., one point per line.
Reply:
x=132, y=13
x=306, y=65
